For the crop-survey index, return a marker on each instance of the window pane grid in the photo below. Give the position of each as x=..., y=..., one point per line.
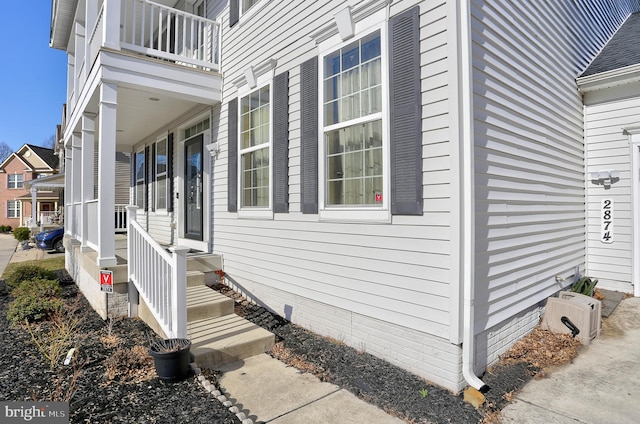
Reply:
x=352, y=84
x=140, y=174
x=255, y=178
x=13, y=209
x=254, y=141
x=354, y=165
x=15, y=181
x=161, y=174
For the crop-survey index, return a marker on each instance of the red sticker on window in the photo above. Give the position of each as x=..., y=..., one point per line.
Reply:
x=378, y=197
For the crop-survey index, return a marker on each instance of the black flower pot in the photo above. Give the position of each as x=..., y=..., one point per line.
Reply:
x=171, y=358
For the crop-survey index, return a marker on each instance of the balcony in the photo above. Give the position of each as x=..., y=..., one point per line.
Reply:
x=123, y=37
x=157, y=31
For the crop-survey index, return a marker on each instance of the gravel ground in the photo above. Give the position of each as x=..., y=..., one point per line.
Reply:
x=123, y=389
x=113, y=380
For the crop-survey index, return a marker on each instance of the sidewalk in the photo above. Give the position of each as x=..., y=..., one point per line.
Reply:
x=8, y=246
x=268, y=391
x=600, y=386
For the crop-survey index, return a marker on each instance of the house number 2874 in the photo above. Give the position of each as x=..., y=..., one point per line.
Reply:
x=606, y=216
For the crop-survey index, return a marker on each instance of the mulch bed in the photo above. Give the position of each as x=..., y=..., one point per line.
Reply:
x=112, y=379
x=398, y=392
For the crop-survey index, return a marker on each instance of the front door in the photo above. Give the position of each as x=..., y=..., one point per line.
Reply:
x=193, y=187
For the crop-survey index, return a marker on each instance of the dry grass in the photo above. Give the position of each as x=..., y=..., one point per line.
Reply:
x=543, y=349
x=130, y=365
x=280, y=352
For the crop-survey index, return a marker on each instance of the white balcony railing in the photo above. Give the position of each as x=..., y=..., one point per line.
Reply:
x=158, y=31
x=159, y=277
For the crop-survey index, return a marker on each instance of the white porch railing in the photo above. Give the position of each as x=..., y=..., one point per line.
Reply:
x=93, y=230
x=159, y=277
x=156, y=30
x=121, y=218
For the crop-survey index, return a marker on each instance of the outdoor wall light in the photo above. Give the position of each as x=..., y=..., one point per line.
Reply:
x=605, y=177
x=213, y=149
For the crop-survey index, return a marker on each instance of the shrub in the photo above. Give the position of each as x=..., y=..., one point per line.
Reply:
x=21, y=233
x=3, y=228
x=7, y=228
x=28, y=272
x=34, y=300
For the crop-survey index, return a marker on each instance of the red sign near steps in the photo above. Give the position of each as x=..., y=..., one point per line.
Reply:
x=106, y=281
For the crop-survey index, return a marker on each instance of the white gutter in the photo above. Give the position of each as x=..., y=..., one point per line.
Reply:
x=468, y=204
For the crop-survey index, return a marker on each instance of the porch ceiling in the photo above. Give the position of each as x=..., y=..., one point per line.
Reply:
x=139, y=115
x=152, y=93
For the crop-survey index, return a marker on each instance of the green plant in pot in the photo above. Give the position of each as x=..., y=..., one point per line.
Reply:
x=171, y=358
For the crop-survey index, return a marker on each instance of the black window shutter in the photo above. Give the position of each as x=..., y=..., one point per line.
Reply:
x=146, y=179
x=153, y=177
x=309, y=135
x=234, y=12
x=405, y=101
x=232, y=169
x=280, y=170
x=170, y=172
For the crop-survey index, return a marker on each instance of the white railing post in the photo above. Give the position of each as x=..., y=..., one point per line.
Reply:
x=179, y=292
x=131, y=217
x=111, y=27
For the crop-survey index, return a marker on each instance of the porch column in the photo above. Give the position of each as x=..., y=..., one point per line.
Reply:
x=76, y=188
x=88, y=148
x=68, y=178
x=34, y=204
x=106, y=178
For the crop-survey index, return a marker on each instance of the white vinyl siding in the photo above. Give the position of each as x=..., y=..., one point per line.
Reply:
x=529, y=154
x=397, y=272
x=608, y=148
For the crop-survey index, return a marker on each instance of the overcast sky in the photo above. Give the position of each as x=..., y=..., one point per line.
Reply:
x=32, y=75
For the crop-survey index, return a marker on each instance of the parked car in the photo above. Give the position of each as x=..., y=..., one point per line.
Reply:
x=51, y=240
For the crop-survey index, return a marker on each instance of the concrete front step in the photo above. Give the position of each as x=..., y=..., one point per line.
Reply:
x=204, y=302
x=223, y=340
x=204, y=262
x=195, y=278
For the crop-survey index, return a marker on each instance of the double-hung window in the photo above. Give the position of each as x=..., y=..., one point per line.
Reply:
x=140, y=179
x=15, y=180
x=13, y=209
x=353, y=126
x=161, y=174
x=254, y=149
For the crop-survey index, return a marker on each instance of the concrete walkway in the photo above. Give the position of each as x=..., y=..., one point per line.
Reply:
x=268, y=391
x=600, y=386
x=8, y=245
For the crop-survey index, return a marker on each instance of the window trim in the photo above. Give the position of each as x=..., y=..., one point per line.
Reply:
x=18, y=183
x=18, y=209
x=255, y=212
x=352, y=213
x=142, y=181
x=251, y=11
x=164, y=174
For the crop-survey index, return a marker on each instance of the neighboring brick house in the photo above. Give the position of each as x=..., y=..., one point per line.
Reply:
x=27, y=163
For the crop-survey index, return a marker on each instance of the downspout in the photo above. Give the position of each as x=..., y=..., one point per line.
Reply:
x=468, y=204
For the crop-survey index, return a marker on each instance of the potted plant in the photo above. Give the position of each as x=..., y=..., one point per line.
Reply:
x=171, y=358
